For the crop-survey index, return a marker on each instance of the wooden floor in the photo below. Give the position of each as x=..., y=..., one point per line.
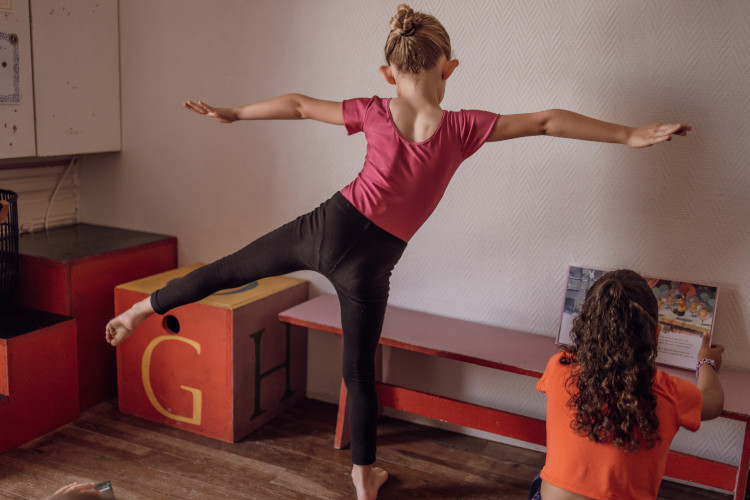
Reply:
x=292, y=457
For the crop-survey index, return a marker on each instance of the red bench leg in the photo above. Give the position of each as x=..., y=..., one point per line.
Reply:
x=342, y=422
x=739, y=490
x=341, y=439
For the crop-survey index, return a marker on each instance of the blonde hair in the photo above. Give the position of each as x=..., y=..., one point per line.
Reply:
x=416, y=41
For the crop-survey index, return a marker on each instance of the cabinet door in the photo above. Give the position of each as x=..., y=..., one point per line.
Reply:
x=76, y=76
x=16, y=94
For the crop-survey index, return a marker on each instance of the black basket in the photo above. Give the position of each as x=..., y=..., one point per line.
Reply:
x=9, y=247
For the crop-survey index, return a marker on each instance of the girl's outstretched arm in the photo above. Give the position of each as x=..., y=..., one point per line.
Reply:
x=284, y=107
x=562, y=123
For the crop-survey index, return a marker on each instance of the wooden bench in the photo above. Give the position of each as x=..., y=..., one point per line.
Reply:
x=511, y=351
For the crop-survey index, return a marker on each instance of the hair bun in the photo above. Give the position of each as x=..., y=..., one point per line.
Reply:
x=416, y=41
x=404, y=20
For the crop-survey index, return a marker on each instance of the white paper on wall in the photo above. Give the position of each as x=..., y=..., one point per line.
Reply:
x=9, y=69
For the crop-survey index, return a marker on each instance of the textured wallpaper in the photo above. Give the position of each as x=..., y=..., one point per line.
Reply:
x=517, y=213
x=522, y=211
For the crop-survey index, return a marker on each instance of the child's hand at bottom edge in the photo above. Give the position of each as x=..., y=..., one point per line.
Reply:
x=76, y=491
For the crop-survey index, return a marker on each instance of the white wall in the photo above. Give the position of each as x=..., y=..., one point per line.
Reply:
x=517, y=213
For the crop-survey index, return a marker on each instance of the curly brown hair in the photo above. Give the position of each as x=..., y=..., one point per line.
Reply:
x=614, y=353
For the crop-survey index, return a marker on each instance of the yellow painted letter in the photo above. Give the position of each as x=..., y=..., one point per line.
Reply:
x=145, y=374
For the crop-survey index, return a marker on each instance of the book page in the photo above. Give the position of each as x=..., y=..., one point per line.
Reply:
x=579, y=281
x=686, y=313
x=678, y=347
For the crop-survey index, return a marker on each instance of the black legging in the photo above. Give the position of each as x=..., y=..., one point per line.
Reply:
x=355, y=255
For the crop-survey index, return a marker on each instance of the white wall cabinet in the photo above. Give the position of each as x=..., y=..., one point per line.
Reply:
x=70, y=50
x=17, y=135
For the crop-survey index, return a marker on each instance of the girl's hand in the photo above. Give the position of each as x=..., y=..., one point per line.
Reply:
x=710, y=351
x=648, y=135
x=224, y=115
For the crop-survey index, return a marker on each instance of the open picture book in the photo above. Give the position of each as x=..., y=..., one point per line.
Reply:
x=686, y=312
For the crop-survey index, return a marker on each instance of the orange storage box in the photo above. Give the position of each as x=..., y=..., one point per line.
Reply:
x=221, y=367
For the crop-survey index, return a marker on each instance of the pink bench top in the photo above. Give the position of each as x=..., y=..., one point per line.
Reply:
x=492, y=346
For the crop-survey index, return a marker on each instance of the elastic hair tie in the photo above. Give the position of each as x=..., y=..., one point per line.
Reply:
x=409, y=32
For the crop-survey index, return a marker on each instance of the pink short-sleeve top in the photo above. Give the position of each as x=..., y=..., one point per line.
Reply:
x=402, y=181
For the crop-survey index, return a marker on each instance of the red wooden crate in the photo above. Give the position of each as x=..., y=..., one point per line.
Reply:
x=221, y=367
x=73, y=271
x=38, y=374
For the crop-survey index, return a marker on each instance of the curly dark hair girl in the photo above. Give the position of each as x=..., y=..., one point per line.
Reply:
x=613, y=353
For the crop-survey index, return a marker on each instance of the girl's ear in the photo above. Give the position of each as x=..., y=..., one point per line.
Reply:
x=387, y=73
x=448, y=67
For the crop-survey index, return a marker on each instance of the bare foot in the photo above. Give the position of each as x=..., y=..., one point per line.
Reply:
x=368, y=480
x=120, y=328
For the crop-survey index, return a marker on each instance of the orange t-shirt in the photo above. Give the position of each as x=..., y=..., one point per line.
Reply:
x=603, y=470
